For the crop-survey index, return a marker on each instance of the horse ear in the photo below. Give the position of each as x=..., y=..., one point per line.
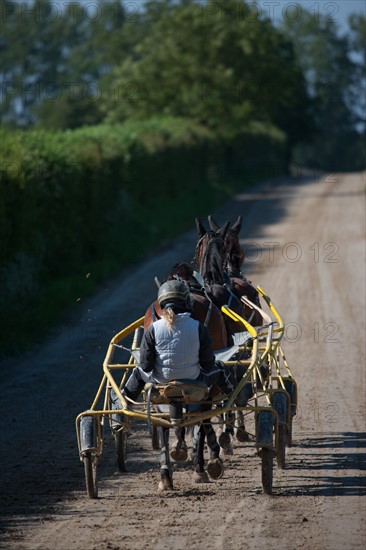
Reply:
x=201, y=230
x=224, y=229
x=237, y=226
x=214, y=226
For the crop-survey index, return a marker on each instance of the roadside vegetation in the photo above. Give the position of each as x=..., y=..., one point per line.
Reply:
x=119, y=128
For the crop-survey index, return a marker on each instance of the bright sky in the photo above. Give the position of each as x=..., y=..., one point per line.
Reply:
x=337, y=10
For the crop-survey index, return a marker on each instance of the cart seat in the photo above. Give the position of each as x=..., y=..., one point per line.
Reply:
x=185, y=391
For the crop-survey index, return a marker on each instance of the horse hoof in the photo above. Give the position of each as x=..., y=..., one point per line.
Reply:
x=166, y=482
x=180, y=455
x=163, y=487
x=242, y=435
x=200, y=477
x=192, y=456
x=225, y=440
x=215, y=468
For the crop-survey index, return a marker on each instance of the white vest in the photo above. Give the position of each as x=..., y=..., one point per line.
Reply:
x=177, y=349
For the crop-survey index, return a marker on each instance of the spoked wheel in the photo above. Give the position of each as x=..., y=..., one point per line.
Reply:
x=281, y=446
x=90, y=468
x=120, y=438
x=267, y=470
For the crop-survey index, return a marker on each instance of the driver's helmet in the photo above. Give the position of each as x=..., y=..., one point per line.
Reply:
x=174, y=293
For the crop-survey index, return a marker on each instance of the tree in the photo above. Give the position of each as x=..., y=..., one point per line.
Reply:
x=357, y=24
x=332, y=79
x=218, y=64
x=53, y=56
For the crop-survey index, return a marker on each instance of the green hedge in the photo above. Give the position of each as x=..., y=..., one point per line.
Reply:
x=97, y=198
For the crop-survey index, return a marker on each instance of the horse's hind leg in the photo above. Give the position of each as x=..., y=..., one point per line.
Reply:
x=242, y=400
x=215, y=467
x=211, y=439
x=166, y=473
x=200, y=476
x=227, y=433
x=241, y=433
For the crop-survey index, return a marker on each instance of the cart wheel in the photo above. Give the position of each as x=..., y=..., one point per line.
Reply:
x=155, y=438
x=120, y=438
x=288, y=437
x=290, y=387
x=90, y=468
x=279, y=403
x=267, y=470
x=281, y=446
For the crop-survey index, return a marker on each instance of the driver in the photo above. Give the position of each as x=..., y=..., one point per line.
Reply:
x=176, y=347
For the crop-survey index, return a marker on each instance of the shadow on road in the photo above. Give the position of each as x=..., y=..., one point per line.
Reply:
x=339, y=472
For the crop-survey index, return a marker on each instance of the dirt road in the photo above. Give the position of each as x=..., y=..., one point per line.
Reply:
x=305, y=245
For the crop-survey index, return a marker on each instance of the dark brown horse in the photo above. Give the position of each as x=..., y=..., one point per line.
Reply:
x=211, y=255
x=233, y=259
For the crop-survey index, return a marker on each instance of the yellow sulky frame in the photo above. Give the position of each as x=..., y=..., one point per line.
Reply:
x=265, y=351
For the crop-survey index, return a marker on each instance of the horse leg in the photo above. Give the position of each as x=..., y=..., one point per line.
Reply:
x=195, y=438
x=241, y=433
x=200, y=476
x=225, y=436
x=180, y=451
x=166, y=474
x=240, y=427
x=215, y=467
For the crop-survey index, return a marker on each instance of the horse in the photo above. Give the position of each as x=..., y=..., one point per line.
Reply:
x=233, y=259
x=207, y=300
x=226, y=289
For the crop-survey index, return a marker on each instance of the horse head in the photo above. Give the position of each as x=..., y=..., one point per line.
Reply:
x=234, y=254
x=210, y=253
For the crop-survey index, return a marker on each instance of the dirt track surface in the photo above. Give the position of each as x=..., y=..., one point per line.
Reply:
x=305, y=242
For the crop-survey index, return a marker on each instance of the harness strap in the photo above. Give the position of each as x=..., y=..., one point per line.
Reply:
x=210, y=307
x=208, y=316
x=251, y=316
x=232, y=295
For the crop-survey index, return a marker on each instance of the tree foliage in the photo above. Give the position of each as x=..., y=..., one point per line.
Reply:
x=334, y=82
x=52, y=59
x=216, y=64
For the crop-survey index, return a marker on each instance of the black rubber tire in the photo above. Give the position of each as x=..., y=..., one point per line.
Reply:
x=267, y=470
x=120, y=438
x=289, y=433
x=281, y=446
x=90, y=468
